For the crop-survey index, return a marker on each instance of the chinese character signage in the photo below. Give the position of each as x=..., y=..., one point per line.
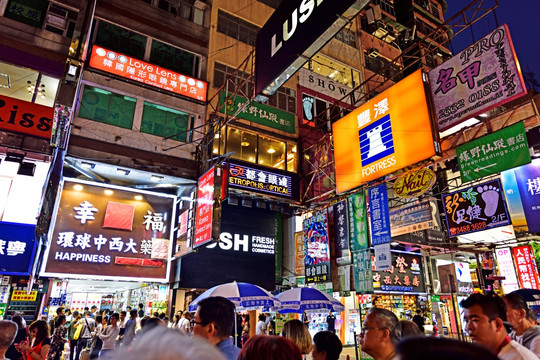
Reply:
x=380, y=218
x=484, y=75
x=21, y=295
x=404, y=276
x=493, y=153
x=25, y=117
x=17, y=248
x=505, y=264
x=362, y=271
x=526, y=267
x=341, y=228
x=208, y=209
x=476, y=208
x=146, y=73
x=358, y=221
x=299, y=269
x=317, y=252
x=388, y=133
x=111, y=232
x=258, y=113
x=414, y=183
x=411, y=218
x=528, y=183
x=263, y=180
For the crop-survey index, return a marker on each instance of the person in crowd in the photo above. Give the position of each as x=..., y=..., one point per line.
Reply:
x=269, y=348
x=484, y=318
x=155, y=314
x=150, y=323
x=140, y=312
x=72, y=328
x=380, y=334
x=85, y=337
x=38, y=345
x=97, y=343
x=58, y=339
x=269, y=322
x=21, y=335
x=525, y=330
x=418, y=319
x=183, y=325
x=109, y=335
x=429, y=348
x=69, y=316
x=299, y=334
x=131, y=325
x=8, y=332
x=93, y=311
x=245, y=330
x=122, y=327
x=409, y=329
x=176, y=321
x=52, y=322
x=326, y=346
x=331, y=322
x=214, y=321
x=260, y=328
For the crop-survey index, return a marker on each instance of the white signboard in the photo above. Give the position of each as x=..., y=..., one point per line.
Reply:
x=325, y=85
x=506, y=267
x=383, y=257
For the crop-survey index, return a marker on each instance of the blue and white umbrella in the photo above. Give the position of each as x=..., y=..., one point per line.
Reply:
x=302, y=299
x=244, y=296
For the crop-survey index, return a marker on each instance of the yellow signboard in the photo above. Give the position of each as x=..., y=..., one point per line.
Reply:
x=391, y=131
x=20, y=295
x=414, y=183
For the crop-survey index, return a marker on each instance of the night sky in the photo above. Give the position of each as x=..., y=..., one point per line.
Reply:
x=522, y=18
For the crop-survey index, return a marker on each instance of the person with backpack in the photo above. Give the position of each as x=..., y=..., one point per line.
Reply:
x=85, y=338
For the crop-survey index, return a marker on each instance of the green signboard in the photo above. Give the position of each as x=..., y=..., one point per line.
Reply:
x=493, y=153
x=435, y=298
x=2, y=311
x=358, y=221
x=259, y=113
x=363, y=274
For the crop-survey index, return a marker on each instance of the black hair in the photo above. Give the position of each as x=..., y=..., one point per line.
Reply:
x=59, y=320
x=219, y=311
x=115, y=315
x=427, y=348
x=59, y=310
x=262, y=317
x=133, y=312
x=99, y=319
x=492, y=305
x=329, y=342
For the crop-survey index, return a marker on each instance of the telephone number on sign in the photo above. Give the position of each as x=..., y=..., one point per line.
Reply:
x=468, y=228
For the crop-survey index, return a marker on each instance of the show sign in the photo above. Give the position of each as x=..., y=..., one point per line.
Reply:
x=295, y=32
x=17, y=248
x=414, y=183
x=404, y=276
x=109, y=232
x=146, y=73
x=476, y=208
x=411, y=218
x=526, y=267
x=317, y=250
x=493, y=153
x=326, y=86
x=481, y=77
x=528, y=184
x=25, y=117
x=388, y=133
x=208, y=211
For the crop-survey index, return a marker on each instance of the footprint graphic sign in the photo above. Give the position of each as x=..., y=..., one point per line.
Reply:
x=476, y=208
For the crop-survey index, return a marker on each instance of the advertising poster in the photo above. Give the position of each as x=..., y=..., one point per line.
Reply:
x=299, y=269
x=528, y=183
x=513, y=199
x=526, y=267
x=379, y=215
x=344, y=277
x=411, y=218
x=387, y=133
x=383, y=257
x=476, y=208
x=205, y=208
x=17, y=248
x=505, y=264
x=341, y=228
x=475, y=81
x=358, y=221
x=493, y=153
x=110, y=232
x=317, y=252
x=405, y=275
x=363, y=271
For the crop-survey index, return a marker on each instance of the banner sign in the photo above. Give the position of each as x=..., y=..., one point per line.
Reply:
x=344, y=277
x=317, y=253
x=341, y=228
x=111, y=232
x=383, y=257
x=481, y=77
x=405, y=275
x=299, y=268
x=208, y=207
x=505, y=264
x=358, y=221
x=25, y=117
x=414, y=183
x=475, y=208
x=380, y=218
x=493, y=153
x=411, y=218
x=528, y=183
x=363, y=271
x=146, y=73
x=526, y=267
x=258, y=113
x=21, y=295
x=17, y=248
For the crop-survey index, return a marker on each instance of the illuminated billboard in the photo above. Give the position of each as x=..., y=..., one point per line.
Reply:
x=389, y=132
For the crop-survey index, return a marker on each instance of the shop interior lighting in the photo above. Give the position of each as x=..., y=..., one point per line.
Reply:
x=244, y=143
x=78, y=187
x=27, y=168
x=394, y=243
x=5, y=81
x=87, y=165
x=138, y=197
x=122, y=171
x=271, y=150
x=156, y=178
x=108, y=192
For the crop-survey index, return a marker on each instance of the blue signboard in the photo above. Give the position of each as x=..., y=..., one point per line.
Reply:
x=17, y=248
x=528, y=182
x=379, y=215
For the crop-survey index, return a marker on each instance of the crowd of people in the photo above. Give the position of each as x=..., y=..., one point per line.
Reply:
x=499, y=328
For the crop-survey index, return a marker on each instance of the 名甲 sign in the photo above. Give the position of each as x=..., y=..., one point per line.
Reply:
x=414, y=183
x=493, y=153
x=379, y=215
x=526, y=267
x=476, y=208
x=317, y=252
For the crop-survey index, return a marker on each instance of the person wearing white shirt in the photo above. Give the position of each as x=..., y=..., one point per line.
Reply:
x=260, y=329
x=109, y=335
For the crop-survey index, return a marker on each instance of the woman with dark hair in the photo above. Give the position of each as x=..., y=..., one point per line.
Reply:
x=58, y=339
x=176, y=321
x=12, y=353
x=298, y=332
x=271, y=347
x=38, y=347
x=97, y=343
x=410, y=329
x=525, y=330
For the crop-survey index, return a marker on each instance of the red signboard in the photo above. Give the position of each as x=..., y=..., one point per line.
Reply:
x=526, y=267
x=146, y=73
x=25, y=117
x=205, y=207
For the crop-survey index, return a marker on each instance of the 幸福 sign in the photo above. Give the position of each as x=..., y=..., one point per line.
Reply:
x=414, y=183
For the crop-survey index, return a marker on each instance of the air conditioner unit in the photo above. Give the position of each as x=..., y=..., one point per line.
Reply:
x=392, y=34
x=381, y=31
x=373, y=53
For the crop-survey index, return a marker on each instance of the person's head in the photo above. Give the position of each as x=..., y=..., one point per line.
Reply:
x=141, y=306
x=326, y=346
x=214, y=319
x=176, y=318
x=380, y=333
x=484, y=318
x=517, y=313
x=418, y=311
x=39, y=330
x=428, y=348
x=123, y=315
x=114, y=319
x=263, y=347
x=68, y=312
x=18, y=319
x=87, y=314
x=133, y=313
x=162, y=316
x=298, y=332
x=86, y=309
x=60, y=320
x=262, y=317
x=59, y=311
x=180, y=312
x=8, y=330
x=150, y=323
x=409, y=329
x=93, y=309
x=128, y=309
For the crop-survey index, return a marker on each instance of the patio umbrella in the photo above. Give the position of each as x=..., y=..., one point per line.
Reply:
x=298, y=300
x=528, y=295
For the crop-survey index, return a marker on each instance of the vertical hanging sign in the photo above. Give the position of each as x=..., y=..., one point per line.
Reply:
x=317, y=254
x=341, y=228
x=379, y=215
x=526, y=267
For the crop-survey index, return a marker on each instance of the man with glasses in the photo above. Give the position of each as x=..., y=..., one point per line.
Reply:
x=214, y=321
x=380, y=334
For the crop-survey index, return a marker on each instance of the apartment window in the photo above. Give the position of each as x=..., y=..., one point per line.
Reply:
x=183, y=9
x=237, y=28
x=120, y=39
x=173, y=58
x=377, y=64
x=43, y=14
x=164, y=122
x=107, y=107
x=284, y=99
x=386, y=6
x=347, y=36
x=272, y=3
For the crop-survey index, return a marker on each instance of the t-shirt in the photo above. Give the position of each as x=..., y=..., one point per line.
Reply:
x=515, y=351
x=261, y=328
x=89, y=325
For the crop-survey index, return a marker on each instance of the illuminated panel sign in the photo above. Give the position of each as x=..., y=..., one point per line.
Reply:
x=146, y=73
x=405, y=275
x=17, y=248
x=25, y=117
x=208, y=212
x=389, y=132
x=505, y=264
x=317, y=252
x=110, y=232
x=526, y=267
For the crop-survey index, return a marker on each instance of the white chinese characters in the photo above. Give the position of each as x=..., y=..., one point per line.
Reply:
x=12, y=248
